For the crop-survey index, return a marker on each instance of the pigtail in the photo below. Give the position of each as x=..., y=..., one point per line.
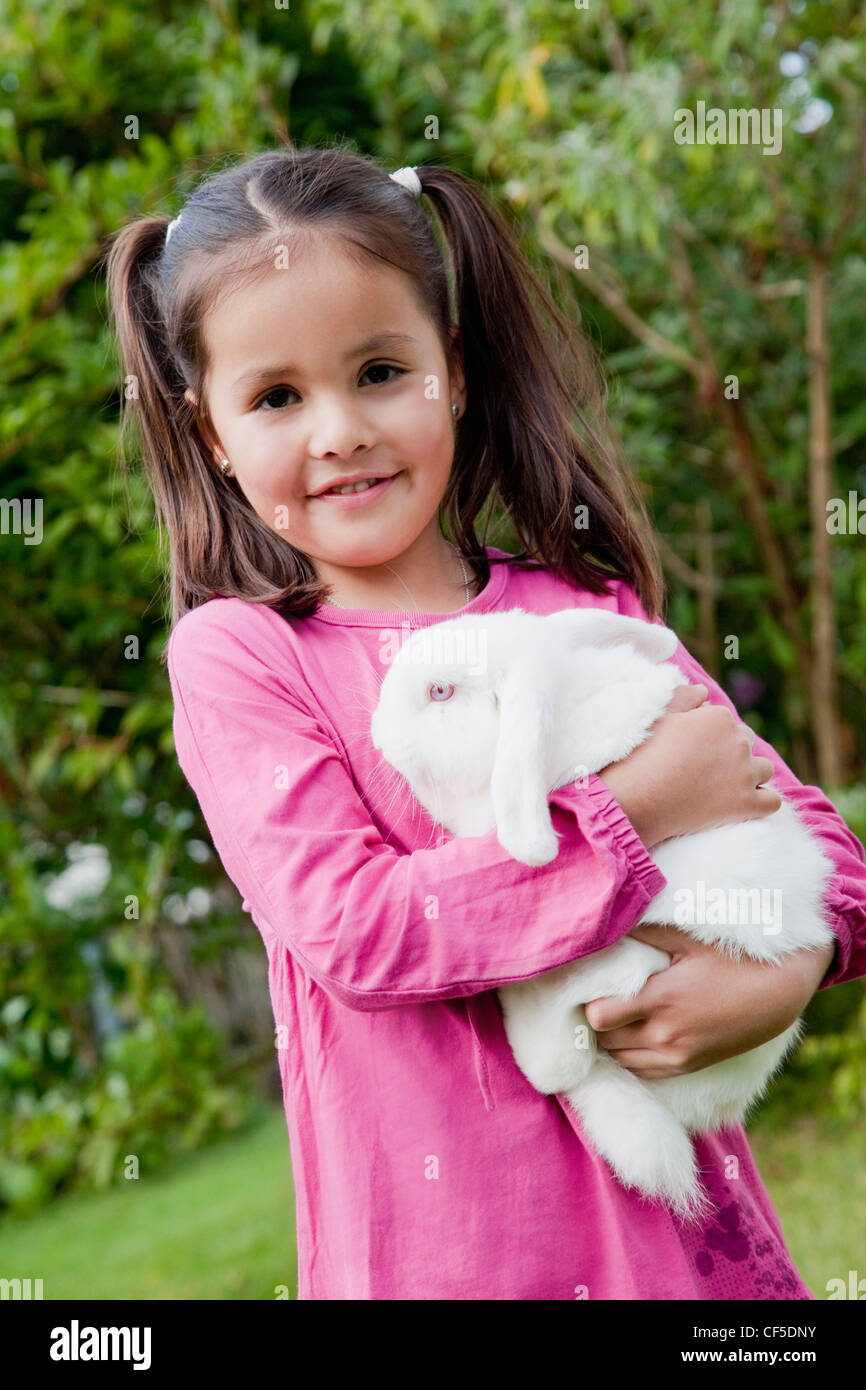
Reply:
x=152, y=402
x=525, y=381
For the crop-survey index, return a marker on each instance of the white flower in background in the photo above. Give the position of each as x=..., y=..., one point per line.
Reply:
x=88, y=872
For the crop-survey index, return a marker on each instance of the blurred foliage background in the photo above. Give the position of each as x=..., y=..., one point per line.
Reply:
x=134, y=1015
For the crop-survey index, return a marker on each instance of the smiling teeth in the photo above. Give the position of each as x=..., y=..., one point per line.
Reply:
x=356, y=487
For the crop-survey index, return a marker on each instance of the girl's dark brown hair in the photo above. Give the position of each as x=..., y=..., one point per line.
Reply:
x=527, y=380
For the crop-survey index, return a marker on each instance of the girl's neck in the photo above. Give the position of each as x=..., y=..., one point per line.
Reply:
x=417, y=582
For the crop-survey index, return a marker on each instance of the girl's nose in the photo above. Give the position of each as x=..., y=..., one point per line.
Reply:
x=338, y=428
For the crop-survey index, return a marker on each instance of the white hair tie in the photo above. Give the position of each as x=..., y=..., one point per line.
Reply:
x=171, y=226
x=409, y=179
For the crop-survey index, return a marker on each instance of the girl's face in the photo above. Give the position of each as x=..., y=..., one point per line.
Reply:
x=301, y=396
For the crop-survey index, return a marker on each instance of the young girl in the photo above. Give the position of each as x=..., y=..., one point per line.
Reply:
x=291, y=335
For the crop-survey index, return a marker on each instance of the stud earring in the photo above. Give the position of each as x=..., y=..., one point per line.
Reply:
x=224, y=465
x=455, y=409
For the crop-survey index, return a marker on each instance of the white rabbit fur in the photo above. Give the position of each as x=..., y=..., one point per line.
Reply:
x=540, y=701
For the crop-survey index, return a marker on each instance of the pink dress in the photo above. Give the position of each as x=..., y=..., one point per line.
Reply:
x=425, y=1165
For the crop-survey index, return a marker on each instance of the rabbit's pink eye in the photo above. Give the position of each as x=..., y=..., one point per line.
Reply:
x=441, y=692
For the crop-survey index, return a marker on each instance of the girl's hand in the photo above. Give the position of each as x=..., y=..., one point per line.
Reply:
x=694, y=769
x=705, y=1007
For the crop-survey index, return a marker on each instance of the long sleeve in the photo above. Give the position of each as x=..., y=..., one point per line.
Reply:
x=374, y=926
x=845, y=897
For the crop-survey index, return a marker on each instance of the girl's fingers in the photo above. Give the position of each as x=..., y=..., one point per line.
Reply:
x=610, y=1012
x=646, y=1064
x=763, y=769
x=769, y=797
x=615, y=1039
x=686, y=697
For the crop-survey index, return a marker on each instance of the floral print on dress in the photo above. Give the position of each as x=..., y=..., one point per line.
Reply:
x=727, y=1241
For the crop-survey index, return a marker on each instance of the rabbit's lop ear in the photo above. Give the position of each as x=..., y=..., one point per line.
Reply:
x=596, y=627
x=520, y=782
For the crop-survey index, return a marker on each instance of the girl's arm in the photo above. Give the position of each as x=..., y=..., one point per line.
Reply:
x=373, y=926
x=845, y=898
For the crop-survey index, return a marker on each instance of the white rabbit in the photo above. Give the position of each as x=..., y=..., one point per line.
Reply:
x=485, y=715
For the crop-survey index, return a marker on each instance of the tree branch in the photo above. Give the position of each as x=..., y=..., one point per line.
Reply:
x=613, y=300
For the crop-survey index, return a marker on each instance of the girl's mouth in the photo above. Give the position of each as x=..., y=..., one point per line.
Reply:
x=363, y=498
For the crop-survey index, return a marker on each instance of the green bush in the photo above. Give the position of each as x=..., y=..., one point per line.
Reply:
x=155, y=1095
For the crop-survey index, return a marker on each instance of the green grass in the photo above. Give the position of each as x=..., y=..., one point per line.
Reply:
x=216, y=1225
x=814, y=1173
x=220, y=1224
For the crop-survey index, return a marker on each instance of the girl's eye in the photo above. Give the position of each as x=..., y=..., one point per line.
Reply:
x=276, y=391
x=384, y=367
x=441, y=692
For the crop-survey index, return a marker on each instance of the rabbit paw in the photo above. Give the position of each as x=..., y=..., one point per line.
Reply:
x=535, y=850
